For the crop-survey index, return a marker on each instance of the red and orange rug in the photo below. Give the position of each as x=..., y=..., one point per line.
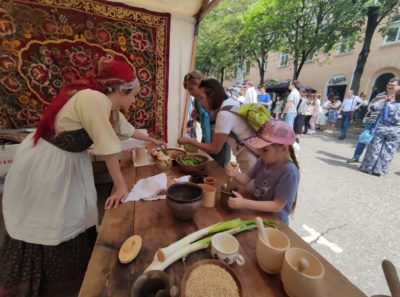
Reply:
x=47, y=42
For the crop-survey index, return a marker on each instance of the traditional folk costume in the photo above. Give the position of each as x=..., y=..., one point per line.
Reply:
x=50, y=201
x=386, y=139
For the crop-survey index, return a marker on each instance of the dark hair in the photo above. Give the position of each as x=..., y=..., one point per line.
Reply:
x=397, y=96
x=215, y=92
x=395, y=79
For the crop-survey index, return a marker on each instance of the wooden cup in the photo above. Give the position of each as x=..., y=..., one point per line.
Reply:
x=209, y=193
x=210, y=181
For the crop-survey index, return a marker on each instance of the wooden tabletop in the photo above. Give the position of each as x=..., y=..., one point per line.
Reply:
x=152, y=220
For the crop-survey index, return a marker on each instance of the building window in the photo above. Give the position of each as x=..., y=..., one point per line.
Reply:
x=393, y=31
x=283, y=59
x=345, y=46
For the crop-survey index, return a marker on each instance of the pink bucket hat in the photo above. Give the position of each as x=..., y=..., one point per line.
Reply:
x=272, y=132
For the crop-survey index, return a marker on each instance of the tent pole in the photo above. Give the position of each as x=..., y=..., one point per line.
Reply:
x=192, y=66
x=205, y=9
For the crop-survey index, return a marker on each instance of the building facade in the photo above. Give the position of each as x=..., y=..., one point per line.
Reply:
x=332, y=73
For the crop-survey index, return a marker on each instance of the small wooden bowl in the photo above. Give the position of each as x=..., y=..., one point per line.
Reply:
x=213, y=262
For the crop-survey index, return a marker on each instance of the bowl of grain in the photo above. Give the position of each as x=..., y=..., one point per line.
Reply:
x=211, y=278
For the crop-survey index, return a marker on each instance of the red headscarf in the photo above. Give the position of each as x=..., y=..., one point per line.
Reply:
x=111, y=72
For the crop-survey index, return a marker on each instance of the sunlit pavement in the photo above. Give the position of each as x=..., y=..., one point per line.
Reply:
x=349, y=217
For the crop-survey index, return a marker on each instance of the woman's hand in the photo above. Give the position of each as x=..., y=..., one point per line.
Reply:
x=231, y=170
x=185, y=140
x=237, y=201
x=159, y=143
x=115, y=199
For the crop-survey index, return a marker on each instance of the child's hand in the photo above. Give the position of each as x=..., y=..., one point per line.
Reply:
x=231, y=170
x=237, y=201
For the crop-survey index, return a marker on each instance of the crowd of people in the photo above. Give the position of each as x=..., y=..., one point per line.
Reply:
x=305, y=112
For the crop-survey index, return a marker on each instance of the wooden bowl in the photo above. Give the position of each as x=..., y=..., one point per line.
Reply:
x=192, y=169
x=213, y=262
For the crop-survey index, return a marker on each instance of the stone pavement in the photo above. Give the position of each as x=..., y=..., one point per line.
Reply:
x=350, y=217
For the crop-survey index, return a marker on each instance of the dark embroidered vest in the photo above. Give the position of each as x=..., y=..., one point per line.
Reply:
x=71, y=141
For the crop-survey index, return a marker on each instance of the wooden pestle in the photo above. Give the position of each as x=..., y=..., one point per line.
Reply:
x=230, y=179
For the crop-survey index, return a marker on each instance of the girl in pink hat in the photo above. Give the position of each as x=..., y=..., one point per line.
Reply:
x=276, y=173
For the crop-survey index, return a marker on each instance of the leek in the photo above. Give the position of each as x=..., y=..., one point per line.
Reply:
x=204, y=243
x=165, y=252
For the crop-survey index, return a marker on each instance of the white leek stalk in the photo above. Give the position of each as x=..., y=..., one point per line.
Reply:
x=182, y=252
x=166, y=252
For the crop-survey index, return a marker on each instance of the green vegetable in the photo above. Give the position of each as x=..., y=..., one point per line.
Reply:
x=191, y=160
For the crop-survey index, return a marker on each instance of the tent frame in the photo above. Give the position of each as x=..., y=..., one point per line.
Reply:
x=206, y=8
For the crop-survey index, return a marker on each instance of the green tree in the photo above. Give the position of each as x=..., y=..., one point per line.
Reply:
x=374, y=12
x=309, y=26
x=220, y=48
x=258, y=36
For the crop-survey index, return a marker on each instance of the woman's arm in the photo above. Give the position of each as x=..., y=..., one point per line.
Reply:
x=218, y=140
x=121, y=192
x=238, y=202
x=139, y=135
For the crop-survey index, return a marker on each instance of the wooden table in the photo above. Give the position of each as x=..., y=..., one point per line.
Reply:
x=106, y=276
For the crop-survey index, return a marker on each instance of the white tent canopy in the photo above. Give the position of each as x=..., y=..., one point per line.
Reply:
x=183, y=7
x=183, y=20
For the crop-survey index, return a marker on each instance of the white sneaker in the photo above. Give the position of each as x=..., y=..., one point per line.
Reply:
x=328, y=131
x=311, y=132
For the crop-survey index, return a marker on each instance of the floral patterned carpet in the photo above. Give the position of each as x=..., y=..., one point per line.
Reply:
x=44, y=43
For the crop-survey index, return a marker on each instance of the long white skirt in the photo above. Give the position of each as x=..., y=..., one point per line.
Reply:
x=49, y=194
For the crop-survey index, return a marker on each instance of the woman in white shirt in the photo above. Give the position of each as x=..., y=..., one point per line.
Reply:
x=229, y=127
x=50, y=201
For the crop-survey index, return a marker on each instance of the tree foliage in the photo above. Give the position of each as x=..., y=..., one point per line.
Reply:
x=220, y=47
x=374, y=12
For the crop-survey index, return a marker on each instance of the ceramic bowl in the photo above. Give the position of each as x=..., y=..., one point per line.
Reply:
x=151, y=283
x=192, y=169
x=307, y=283
x=184, y=200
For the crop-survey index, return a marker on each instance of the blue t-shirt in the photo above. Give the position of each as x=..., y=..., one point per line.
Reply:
x=278, y=183
x=265, y=98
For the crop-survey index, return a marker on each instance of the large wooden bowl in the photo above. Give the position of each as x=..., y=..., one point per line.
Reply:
x=192, y=169
x=213, y=262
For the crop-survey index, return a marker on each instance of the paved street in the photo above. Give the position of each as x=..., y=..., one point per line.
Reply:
x=351, y=218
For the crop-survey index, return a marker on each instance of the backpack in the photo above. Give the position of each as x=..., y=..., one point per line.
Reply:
x=254, y=114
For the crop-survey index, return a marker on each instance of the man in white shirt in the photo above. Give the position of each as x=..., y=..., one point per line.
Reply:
x=290, y=111
x=251, y=93
x=350, y=104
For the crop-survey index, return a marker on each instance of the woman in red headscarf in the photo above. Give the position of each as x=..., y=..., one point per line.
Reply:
x=49, y=201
